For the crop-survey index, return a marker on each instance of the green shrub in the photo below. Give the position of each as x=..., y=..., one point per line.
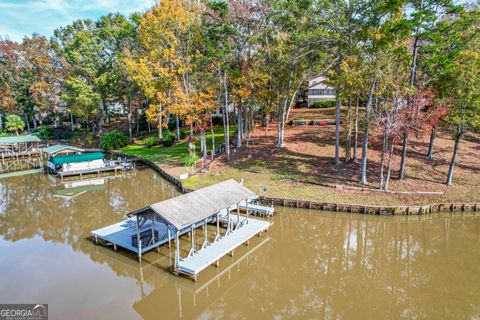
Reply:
x=183, y=134
x=324, y=103
x=150, y=142
x=90, y=138
x=45, y=133
x=190, y=160
x=168, y=140
x=114, y=140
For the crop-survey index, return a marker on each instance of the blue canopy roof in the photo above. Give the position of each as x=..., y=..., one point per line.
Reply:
x=76, y=158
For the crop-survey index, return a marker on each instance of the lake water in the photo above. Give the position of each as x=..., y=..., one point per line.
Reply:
x=311, y=265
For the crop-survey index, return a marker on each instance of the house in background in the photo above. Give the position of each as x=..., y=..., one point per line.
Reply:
x=319, y=90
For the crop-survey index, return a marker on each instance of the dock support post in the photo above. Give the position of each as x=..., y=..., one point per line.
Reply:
x=153, y=230
x=177, y=250
x=205, y=233
x=139, y=241
x=139, y=250
x=218, y=226
x=169, y=236
x=238, y=215
x=228, y=222
x=192, y=240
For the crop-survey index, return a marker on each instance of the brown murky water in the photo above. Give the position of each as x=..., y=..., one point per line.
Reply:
x=311, y=265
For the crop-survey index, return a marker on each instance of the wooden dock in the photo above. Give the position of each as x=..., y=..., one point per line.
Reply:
x=255, y=209
x=197, y=261
x=166, y=221
x=96, y=171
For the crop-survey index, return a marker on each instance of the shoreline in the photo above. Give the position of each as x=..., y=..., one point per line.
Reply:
x=329, y=206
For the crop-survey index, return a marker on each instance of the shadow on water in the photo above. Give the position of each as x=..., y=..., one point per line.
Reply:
x=310, y=264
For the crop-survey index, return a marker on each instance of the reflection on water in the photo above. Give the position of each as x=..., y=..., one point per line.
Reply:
x=310, y=265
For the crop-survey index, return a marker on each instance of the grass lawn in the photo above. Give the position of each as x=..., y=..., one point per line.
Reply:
x=174, y=155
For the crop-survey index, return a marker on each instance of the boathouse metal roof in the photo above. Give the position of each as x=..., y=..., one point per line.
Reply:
x=19, y=139
x=192, y=207
x=76, y=158
x=60, y=148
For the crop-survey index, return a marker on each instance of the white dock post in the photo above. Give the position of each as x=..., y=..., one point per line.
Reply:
x=228, y=222
x=139, y=242
x=153, y=230
x=218, y=226
x=205, y=234
x=238, y=214
x=139, y=250
x=169, y=235
x=177, y=250
x=192, y=240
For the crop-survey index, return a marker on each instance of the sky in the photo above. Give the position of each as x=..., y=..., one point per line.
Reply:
x=24, y=17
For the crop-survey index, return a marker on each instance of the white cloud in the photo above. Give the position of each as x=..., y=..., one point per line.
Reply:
x=24, y=17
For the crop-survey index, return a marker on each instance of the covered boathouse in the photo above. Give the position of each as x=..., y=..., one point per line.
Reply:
x=166, y=221
x=14, y=146
x=61, y=149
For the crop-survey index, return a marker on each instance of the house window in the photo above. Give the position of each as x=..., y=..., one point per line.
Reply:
x=321, y=92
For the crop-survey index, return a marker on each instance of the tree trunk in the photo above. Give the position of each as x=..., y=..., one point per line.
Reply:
x=72, y=122
x=190, y=137
x=401, y=174
x=337, y=129
x=1, y=121
x=432, y=141
x=177, y=128
x=355, y=139
x=27, y=122
x=266, y=125
x=348, y=141
x=160, y=133
x=203, y=143
x=389, y=167
x=226, y=120
x=35, y=123
x=102, y=118
x=382, y=156
x=281, y=124
x=458, y=139
x=363, y=179
x=245, y=124
x=137, y=120
x=213, y=136
x=239, y=127
x=246, y=129
x=280, y=131
x=130, y=130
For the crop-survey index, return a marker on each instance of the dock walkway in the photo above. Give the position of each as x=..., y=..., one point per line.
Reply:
x=198, y=261
x=255, y=208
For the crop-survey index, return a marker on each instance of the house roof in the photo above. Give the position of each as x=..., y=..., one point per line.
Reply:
x=192, y=207
x=19, y=139
x=61, y=147
x=76, y=158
